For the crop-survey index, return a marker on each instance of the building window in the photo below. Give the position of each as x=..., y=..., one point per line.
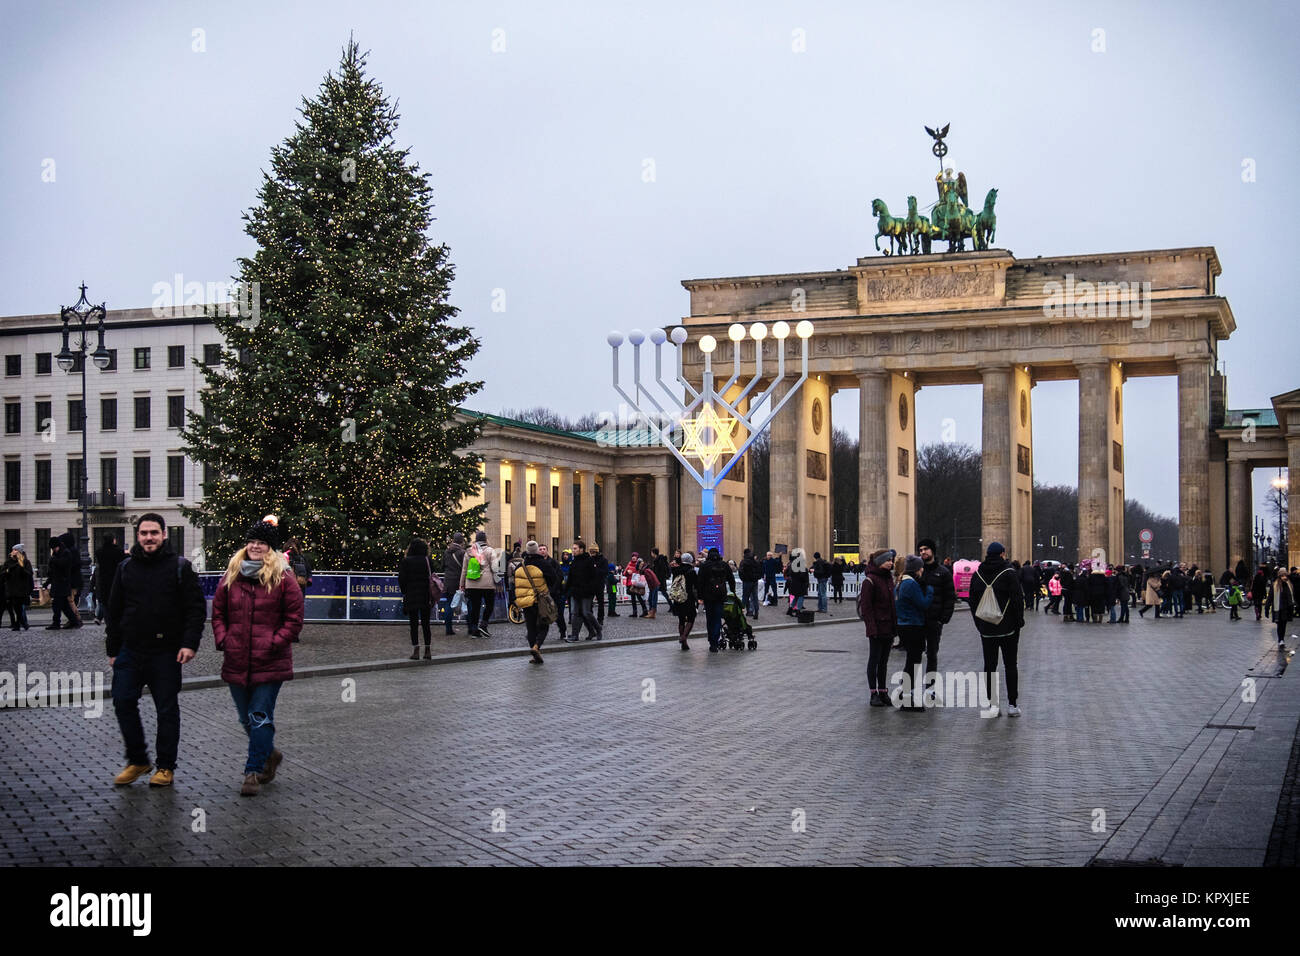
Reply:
x=78, y=362
x=13, y=480
x=209, y=477
x=555, y=496
x=13, y=366
x=175, y=411
x=532, y=494
x=76, y=414
x=44, y=413
x=74, y=479
x=108, y=414
x=108, y=479
x=212, y=356
x=142, y=477
x=13, y=418
x=13, y=536
x=142, y=411
x=507, y=491
x=176, y=535
x=142, y=358
x=42, y=557
x=175, y=356
x=42, y=479
x=175, y=476
x=112, y=361
x=211, y=535
x=43, y=363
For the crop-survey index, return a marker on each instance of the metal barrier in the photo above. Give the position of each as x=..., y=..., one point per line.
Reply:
x=366, y=597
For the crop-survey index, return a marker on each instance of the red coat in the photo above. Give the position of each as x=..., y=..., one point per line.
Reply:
x=256, y=630
x=876, y=603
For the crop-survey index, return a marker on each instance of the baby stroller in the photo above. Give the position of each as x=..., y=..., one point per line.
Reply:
x=735, y=626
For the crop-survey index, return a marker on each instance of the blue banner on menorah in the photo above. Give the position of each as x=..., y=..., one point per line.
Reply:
x=708, y=533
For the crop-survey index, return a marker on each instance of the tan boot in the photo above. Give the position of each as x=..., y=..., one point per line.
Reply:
x=163, y=778
x=251, y=787
x=651, y=615
x=132, y=773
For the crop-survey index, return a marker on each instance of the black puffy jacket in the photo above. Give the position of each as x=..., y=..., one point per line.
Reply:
x=156, y=604
x=1007, y=591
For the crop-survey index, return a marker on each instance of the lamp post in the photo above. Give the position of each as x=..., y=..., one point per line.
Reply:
x=1278, y=484
x=82, y=314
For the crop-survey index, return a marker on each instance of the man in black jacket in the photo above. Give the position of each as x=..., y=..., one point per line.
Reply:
x=155, y=622
x=771, y=568
x=715, y=581
x=586, y=580
x=937, y=576
x=1002, y=634
x=453, y=562
x=64, y=563
x=750, y=572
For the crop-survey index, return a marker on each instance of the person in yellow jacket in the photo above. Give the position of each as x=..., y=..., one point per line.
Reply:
x=535, y=575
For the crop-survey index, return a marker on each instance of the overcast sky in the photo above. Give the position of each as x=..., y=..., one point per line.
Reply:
x=766, y=157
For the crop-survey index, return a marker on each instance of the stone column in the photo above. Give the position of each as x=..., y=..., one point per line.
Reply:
x=608, y=539
x=1194, y=459
x=494, y=497
x=518, y=501
x=640, y=516
x=587, y=506
x=564, y=478
x=1239, y=498
x=542, y=520
x=1094, y=461
x=995, y=486
x=1293, y=497
x=661, y=541
x=783, y=471
x=873, y=460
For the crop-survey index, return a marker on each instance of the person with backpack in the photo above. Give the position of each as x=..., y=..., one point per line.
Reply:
x=997, y=605
x=877, y=611
x=413, y=575
x=1282, y=603
x=586, y=580
x=821, y=571
x=453, y=563
x=479, y=583
x=683, y=595
x=156, y=612
x=938, y=578
x=715, y=582
x=256, y=619
x=558, y=595
x=537, y=581
x=1235, y=599
x=750, y=571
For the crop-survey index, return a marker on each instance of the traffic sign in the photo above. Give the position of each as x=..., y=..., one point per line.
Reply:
x=1145, y=536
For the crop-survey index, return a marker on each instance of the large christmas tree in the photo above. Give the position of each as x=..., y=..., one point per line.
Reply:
x=334, y=405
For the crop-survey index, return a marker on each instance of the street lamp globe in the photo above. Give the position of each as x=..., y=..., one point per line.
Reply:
x=66, y=359
x=101, y=358
x=678, y=335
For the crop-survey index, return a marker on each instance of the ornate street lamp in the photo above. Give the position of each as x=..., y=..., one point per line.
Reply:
x=82, y=314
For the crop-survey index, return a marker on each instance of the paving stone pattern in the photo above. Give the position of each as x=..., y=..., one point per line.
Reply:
x=580, y=769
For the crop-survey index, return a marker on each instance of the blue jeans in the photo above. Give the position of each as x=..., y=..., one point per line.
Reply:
x=713, y=618
x=769, y=585
x=1178, y=602
x=821, y=594
x=256, y=708
x=132, y=670
x=1078, y=612
x=749, y=596
x=654, y=598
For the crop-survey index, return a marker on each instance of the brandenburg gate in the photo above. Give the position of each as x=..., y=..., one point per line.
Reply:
x=893, y=324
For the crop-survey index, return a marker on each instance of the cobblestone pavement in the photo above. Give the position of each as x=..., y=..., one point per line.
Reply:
x=765, y=757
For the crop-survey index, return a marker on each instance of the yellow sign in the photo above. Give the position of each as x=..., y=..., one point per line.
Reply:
x=708, y=437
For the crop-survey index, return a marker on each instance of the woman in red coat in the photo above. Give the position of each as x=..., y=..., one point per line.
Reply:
x=256, y=618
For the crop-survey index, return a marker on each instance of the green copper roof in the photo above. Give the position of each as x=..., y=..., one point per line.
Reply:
x=1262, y=417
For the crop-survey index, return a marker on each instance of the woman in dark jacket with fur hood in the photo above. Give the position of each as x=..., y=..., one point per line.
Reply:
x=256, y=619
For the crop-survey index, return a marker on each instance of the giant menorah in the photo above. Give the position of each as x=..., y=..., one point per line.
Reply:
x=706, y=435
